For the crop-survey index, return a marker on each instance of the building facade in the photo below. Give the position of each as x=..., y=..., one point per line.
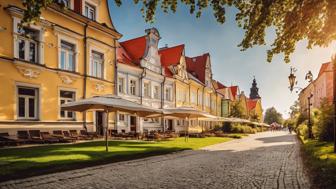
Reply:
x=67, y=55
x=321, y=88
x=142, y=78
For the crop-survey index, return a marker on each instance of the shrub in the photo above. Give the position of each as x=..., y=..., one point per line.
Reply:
x=302, y=130
x=238, y=128
x=227, y=127
x=323, y=125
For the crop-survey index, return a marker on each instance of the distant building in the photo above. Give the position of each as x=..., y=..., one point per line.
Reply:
x=254, y=91
x=254, y=106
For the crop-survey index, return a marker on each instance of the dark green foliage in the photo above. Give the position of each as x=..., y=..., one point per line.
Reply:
x=272, y=115
x=238, y=128
x=324, y=128
x=237, y=110
x=321, y=162
x=293, y=20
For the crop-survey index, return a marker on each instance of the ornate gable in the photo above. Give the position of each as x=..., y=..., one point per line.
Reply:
x=208, y=73
x=151, y=59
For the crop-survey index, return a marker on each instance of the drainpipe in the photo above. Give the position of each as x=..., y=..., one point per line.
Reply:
x=143, y=74
x=189, y=94
x=85, y=73
x=203, y=106
x=162, y=92
x=162, y=101
x=115, y=84
x=175, y=95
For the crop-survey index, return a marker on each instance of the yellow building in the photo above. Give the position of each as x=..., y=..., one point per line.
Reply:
x=69, y=54
x=255, y=110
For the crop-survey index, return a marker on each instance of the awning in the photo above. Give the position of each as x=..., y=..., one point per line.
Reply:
x=185, y=112
x=110, y=103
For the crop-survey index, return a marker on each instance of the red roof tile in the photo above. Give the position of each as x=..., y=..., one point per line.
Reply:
x=196, y=66
x=135, y=48
x=234, y=91
x=251, y=104
x=123, y=56
x=171, y=56
x=220, y=85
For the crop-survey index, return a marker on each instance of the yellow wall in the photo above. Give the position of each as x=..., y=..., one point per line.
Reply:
x=49, y=77
x=182, y=89
x=196, y=88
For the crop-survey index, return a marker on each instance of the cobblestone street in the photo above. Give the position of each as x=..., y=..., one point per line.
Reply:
x=264, y=160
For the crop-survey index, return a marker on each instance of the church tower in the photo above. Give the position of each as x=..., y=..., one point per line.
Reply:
x=254, y=94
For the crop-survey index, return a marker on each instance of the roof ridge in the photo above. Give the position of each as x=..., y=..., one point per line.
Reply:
x=169, y=48
x=132, y=39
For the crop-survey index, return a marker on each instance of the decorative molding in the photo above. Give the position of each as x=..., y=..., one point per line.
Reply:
x=28, y=71
x=99, y=87
x=67, y=78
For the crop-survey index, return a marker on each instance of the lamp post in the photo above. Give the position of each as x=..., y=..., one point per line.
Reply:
x=292, y=82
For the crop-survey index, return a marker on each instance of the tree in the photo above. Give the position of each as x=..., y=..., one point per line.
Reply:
x=254, y=117
x=272, y=115
x=294, y=109
x=293, y=20
x=237, y=110
x=324, y=125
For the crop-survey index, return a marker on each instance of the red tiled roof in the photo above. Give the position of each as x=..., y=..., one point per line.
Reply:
x=220, y=85
x=251, y=104
x=171, y=56
x=197, y=65
x=123, y=57
x=135, y=48
x=234, y=91
x=323, y=68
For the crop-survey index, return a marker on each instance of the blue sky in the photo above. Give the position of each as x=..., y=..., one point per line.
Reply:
x=230, y=65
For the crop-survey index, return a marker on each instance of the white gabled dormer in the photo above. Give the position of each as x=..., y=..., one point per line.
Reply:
x=151, y=59
x=208, y=73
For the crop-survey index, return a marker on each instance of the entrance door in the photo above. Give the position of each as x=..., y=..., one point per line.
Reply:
x=133, y=123
x=99, y=123
x=170, y=124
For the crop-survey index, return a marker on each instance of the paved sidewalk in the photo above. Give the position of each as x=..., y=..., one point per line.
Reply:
x=264, y=160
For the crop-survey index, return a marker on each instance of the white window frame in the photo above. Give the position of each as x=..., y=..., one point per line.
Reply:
x=156, y=94
x=102, y=63
x=71, y=3
x=66, y=101
x=27, y=97
x=93, y=4
x=131, y=87
x=122, y=85
x=148, y=94
x=168, y=94
x=39, y=56
x=67, y=56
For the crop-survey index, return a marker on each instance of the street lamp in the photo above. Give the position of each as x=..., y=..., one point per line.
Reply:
x=309, y=77
x=292, y=82
x=292, y=79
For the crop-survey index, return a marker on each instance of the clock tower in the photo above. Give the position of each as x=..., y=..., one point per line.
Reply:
x=254, y=91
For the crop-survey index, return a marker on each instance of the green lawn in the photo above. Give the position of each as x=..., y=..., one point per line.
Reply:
x=28, y=161
x=321, y=161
